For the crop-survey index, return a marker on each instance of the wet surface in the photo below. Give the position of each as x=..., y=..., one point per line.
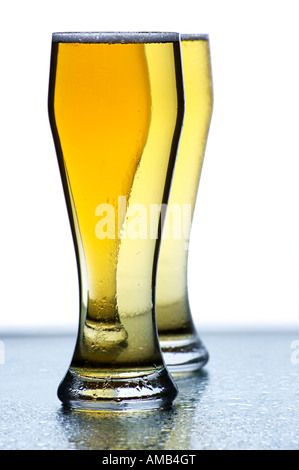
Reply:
x=247, y=397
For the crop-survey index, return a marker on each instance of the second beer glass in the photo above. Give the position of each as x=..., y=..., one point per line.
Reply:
x=183, y=349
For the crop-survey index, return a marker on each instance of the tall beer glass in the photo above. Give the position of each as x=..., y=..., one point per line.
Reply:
x=116, y=105
x=183, y=350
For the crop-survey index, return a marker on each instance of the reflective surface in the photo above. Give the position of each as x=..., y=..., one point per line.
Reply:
x=246, y=398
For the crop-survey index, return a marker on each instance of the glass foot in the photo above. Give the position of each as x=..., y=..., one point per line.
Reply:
x=183, y=355
x=82, y=390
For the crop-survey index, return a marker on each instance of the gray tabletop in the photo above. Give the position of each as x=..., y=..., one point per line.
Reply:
x=247, y=397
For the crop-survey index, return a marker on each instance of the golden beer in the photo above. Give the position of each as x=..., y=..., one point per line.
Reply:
x=116, y=109
x=182, y=348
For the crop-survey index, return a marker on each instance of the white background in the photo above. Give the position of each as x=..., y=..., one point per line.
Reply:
x=244, y=256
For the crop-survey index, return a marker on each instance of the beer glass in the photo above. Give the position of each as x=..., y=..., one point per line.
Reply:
x=183, y=349
x=116, y=106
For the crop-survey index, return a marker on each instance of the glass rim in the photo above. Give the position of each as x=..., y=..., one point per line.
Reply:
x=194, y=37
x=117, y=37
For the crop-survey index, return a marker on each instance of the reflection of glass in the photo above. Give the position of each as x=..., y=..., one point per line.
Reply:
x=116, y=109
x=183, y=349
x=174, y=428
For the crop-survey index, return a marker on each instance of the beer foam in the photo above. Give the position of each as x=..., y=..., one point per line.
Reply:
x=194, y=37
x=115, y=37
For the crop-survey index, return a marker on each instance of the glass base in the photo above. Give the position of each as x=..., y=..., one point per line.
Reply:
x=124, y=392
x=183, y=355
